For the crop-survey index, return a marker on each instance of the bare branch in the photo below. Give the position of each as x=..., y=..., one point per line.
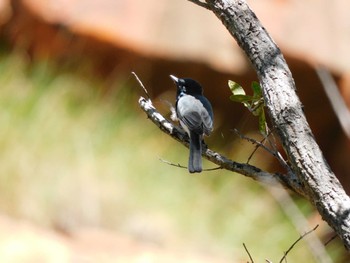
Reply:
x=172, y=164
x=274, y=153
x=299, y=221
x=141, y=84
x=257, y=143
x=289, y=180
x=330, y=240
x=185, y=167
x=296, y=241
x=250, y=256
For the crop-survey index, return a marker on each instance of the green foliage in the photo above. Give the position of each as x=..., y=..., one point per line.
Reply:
x=255, y=104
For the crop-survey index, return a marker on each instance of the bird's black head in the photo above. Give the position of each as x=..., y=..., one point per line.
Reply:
x=187, y=86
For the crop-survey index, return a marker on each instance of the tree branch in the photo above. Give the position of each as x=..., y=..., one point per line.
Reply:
x=318, y=182
x=289, y=181
x=296, y=241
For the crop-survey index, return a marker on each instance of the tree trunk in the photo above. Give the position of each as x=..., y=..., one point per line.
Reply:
x=317, y=181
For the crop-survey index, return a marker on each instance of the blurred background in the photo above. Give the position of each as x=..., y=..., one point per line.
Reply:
x=80, y=175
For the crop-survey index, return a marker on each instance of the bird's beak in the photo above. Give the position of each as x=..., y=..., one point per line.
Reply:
x=175, y=79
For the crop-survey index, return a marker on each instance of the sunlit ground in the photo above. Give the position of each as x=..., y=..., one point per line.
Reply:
x=77, y=152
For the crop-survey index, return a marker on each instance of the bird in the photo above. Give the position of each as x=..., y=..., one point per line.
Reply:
x=196, y=117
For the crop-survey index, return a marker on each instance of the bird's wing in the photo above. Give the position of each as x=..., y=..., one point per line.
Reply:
x=207, y=115
x=189, y=111
x=196, y=114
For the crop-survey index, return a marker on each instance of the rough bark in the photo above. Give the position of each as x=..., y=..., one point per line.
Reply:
x=318, y=182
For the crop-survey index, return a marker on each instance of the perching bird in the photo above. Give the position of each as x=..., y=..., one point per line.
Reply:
x=195, y=115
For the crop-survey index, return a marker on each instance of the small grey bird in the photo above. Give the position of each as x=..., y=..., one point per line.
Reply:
x=195, y=114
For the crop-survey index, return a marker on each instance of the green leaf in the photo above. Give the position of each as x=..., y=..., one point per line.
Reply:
x=262, y=122
x=241, y=98
x=255, y=103
x=257, y=92
x=235, y=88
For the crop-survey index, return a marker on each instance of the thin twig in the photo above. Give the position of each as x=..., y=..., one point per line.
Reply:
x=256, y=148
x=330, y=240
x=250, y=256
x=295, y=242
x=172, y=164
x=274, y=152
x=273, y=143
x=181, y=166
x=299, y=221
x=253, y=141
x=141, y=84
x=200, y=3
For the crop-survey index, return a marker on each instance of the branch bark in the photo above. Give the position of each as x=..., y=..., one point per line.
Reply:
x=318, y=182
x=289, y=181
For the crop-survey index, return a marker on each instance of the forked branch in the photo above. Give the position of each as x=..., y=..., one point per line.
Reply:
x=318, y=182
x=289, y=181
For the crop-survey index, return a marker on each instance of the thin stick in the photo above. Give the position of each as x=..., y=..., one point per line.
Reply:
x=275, y=153
x=258, y=144
x=141, y=84
x=300, y=238
x=299, y=221
x=330, y=240
x=255, y=142
x=250, y=256
x=184, y=167
x=172, y=164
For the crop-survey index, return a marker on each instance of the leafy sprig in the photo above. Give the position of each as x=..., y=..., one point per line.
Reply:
x=255, y=104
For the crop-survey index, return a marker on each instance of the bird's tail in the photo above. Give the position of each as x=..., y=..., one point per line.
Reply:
x=195, y=160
